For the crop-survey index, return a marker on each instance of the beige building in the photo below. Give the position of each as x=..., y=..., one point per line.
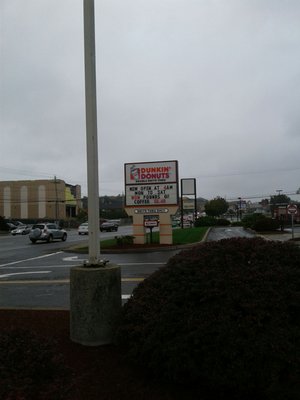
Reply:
x=38, y=199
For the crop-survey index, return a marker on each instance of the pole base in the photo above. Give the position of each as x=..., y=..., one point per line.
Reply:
x=95, y=304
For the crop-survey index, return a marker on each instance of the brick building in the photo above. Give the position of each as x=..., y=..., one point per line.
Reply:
x=39, y=199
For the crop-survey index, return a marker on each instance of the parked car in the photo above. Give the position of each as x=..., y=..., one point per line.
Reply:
x=109, y=226
x=14, y=224
x=83, y=229
x=47, y=232
x=11, y=226
x=21, y=230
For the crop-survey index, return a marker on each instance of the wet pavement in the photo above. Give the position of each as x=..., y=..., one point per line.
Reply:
x=219, y=233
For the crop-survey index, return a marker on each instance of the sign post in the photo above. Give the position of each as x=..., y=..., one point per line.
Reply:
x=151, y=188
x=188, y=187
x=151, y=221
x=292, y=210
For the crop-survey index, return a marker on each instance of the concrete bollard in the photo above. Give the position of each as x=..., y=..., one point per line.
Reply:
x=95, y=304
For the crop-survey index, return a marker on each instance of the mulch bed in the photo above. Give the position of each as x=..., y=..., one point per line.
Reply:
x=98, y=372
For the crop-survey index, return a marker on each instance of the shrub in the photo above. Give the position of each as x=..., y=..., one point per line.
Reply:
x=266, y=224
x=205, y=221
x=30, y=368
x=124, y=240
x=260, y=223
x=223, y=222
x=211, y=221
x=221, y=316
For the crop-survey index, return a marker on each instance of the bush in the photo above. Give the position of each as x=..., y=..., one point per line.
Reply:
x=223, y=222
x=211, y=221
x=266, y=224
x=223, y=317
x=260, y=223
x=30, y=368
x=124, y=240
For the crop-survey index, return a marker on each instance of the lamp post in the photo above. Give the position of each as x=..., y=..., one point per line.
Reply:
x=240, y=207
x=91, y=132
x=95, y=292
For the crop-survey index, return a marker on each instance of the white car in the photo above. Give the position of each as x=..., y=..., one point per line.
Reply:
x=83, y=229
x=21, y=230
x=47, y=232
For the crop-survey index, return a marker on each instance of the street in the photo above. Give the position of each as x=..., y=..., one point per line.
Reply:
x=227, y=232
x=37, y=276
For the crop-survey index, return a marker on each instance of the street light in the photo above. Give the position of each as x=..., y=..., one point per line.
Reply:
x=240, y=208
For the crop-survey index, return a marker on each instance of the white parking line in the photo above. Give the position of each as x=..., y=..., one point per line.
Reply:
x=24, y=273
x=30, y=259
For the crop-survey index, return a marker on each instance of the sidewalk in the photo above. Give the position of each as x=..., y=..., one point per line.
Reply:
x=284, y=236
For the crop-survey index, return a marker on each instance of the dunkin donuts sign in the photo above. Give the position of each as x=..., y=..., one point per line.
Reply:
x=154, y=183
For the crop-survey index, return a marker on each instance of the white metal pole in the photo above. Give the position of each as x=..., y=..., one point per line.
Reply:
x=91, y=132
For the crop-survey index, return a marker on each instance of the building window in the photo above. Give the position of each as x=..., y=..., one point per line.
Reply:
x=42, y=201
x=7, y=202
x=24, y=201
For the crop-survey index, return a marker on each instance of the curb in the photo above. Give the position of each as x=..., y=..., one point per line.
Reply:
x=147, y=250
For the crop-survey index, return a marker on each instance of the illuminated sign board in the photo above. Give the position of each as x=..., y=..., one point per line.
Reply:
x=153, y=172
x=151, y=184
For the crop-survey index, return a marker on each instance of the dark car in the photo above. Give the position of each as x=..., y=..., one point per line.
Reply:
x=109, y=226
x=47, y=232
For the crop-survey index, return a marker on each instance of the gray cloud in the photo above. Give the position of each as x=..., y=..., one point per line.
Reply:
x=214, y=85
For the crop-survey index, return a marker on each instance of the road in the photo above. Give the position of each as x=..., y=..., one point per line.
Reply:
x=227, y=232
x=37, y=276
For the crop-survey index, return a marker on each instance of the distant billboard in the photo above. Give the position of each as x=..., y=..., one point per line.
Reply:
x=153, y=183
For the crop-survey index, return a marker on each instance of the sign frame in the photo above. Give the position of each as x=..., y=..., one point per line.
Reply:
x=149, y=184
x=292, y=209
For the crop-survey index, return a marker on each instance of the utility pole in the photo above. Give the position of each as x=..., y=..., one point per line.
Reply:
x=240, y=208
x=95, y=292
x=91, y=132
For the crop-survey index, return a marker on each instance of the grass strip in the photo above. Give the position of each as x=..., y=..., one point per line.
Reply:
x=180, y=237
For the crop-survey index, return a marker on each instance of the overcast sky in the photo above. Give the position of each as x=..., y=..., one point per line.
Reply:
x=214, y=84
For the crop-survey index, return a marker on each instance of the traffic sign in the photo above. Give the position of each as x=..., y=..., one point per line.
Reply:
x=151, y=223
x=292, y=209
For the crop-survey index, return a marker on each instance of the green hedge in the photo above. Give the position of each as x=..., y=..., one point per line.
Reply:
x=223, y=318
x=211, y=221
x=260, y=223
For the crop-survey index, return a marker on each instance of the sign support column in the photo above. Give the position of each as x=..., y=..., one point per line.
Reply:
x=91, y=132
x=292, y=210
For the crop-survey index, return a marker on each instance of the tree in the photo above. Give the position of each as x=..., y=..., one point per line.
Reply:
x=82, y=215
x=264, y=202
x=279, y=200
x=216, y=207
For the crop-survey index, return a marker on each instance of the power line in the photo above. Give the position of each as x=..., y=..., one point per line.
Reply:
x=228, y=174
x=263, y=196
